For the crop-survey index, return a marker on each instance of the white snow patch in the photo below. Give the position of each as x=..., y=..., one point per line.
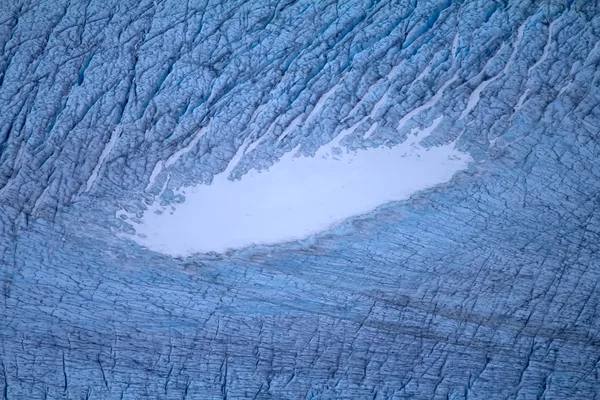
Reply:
x=297, y=197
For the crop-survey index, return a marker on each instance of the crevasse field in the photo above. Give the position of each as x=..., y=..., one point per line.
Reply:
x=299, y=199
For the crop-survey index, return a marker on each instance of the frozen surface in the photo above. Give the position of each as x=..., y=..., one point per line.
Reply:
x=296, y=197
x=482, y=284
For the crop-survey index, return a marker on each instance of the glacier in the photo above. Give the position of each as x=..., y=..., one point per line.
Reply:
x=462, y=264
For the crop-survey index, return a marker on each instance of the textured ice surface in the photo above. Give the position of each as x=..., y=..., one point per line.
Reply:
x=485, y=286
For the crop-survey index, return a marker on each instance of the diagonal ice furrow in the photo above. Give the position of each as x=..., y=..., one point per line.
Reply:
x=429, y=65
x=174, y=157
x=438, y=95
x=370, y=131
x=384, y=98
x=430, y=103
x=235, y=160
x=574, y=71
x=16, y=166
x=252, y=123
x=326, y=149
x=107, y=149
x=521, y=100
x=39, y=200
x=386, y=79
x=254, y=144
x=273, y=125
x=376, y=107
x=155, y=171
x=455, y=44
x=534, y=66
x=348, y=131
x=372, y=115
x=423, y=73
x=177, y=155
x=321, y=103
x=476, y=94
x=546, y=49
x=362, y=100
x=380, y=103
x=295, y=122
x=16, y=163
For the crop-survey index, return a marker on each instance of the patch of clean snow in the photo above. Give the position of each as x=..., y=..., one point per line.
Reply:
x=297, y=197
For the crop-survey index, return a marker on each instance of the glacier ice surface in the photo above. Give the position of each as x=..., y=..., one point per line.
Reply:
x=484, y=283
